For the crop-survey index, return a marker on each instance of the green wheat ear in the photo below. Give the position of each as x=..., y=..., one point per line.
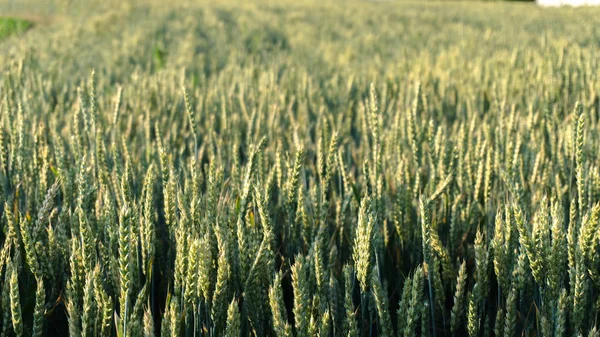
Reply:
x=350, y=327
x=39, y=310
x=301, y=296
x=458, y=308
x=362, y=253
x=15, y=302
x=511, y=313
x=413, y=313
x=233, y=320
x=278, y=309
x=381, y=302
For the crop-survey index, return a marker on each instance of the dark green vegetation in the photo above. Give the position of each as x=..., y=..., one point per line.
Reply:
x=12, y=26
x=301, y=169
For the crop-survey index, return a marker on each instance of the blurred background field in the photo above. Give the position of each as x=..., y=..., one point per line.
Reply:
x=324, y=36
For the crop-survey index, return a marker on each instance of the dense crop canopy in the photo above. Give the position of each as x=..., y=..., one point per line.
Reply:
x=299, y=169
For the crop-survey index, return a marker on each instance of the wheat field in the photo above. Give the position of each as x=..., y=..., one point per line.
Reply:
x=299, y=168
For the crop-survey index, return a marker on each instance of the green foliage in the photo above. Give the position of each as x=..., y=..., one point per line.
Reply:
x=13, y=26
